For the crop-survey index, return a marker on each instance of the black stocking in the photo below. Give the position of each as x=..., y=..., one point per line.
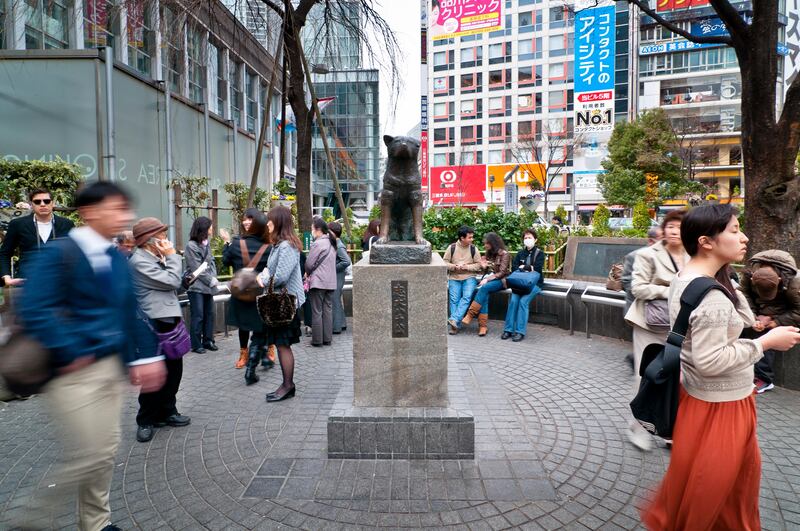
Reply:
x=286, y=358
x=244, y=337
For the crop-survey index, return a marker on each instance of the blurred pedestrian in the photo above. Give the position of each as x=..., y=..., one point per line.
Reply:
x=201, y=292
x=772, y=289
x=529, y=259
x=28, y=234
x=714, y=472
x=321, y=275
x=284, y=269
x=498, y=261
x=463, y=262
x=157, y=274
x=244, y=314
x=654, y=268
x=80, y=305
x=343, y=262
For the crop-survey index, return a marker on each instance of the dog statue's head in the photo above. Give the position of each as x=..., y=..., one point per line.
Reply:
x=401, y=147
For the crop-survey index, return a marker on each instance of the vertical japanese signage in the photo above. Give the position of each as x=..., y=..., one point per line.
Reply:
x=423, y=70
x=792, y=64
x=594, y=67
x=456, y=18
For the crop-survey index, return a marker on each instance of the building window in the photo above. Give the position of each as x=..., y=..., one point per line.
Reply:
x=529, y=49
x=141, y=45
x=497, y=156
x=443, y=60
x=171, y=49
x=46, y=24
x=197, y=65
x=499, y=79
x=100, y=23
x=498, y=132
x=216, y=94
x=2, y=23
x=499, y=53
x=252, y=85
x=443, y=111
x=443, y=86
x=443, y=136
x=471, y=57
x=525, y=130
x=529, y=103
x=235, y=80
x=471, y=134
x=471, y=109
x=440, y=159
x=471, y=82
x=558, y=45
x=558, y=17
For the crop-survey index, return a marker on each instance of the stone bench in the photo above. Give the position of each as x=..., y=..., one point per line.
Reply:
x=594, y=294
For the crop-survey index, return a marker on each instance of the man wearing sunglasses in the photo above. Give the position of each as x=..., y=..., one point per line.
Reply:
x=29, y=234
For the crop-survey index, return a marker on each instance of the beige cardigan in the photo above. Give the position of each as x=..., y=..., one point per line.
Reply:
x=716, y=366
x=653, y=272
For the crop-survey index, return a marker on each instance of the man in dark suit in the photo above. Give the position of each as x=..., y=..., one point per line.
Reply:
x=29, y=234
x=79, y=302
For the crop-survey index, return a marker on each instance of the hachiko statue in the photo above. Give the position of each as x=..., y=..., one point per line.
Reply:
x=401, y=198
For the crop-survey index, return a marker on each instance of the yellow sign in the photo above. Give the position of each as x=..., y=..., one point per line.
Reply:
x=529, y=172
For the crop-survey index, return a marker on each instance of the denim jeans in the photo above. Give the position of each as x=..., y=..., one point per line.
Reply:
x=518, y=310
x=460, y=294
x=484, y=291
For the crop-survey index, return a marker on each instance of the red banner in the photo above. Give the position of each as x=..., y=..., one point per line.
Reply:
x=457, y=185
x=423, y=158
x=671, y=5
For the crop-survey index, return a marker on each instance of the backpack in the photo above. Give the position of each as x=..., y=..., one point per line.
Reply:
x=472, y=251
x=244, y=285
x=614, y=280
x=655, y=406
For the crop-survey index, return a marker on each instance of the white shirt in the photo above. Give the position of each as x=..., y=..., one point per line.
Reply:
x=45, y=229
x=96, y=247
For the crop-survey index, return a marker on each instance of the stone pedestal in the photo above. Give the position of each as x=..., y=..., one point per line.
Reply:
x=401, y=404
x=400, y=253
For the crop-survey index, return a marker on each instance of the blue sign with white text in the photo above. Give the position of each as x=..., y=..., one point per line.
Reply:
x=594, y=49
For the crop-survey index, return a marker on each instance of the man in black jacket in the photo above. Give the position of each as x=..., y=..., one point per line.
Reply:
x=29, y=234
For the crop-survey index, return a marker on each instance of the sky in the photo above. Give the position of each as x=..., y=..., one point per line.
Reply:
x=403, y=17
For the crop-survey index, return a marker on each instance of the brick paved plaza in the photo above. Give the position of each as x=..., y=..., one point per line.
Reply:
x=551, y=453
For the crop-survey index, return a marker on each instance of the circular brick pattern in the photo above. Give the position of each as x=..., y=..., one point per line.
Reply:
x=566, y=393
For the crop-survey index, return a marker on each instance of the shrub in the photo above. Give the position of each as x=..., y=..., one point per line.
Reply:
x=600, y=221
x=19, y=177
x=641, y=217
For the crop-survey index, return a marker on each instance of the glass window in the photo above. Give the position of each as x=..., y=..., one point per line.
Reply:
x=141, y=45
x=557, y=17
x=440, y=109
x=557, y=45
x=525, y=74
x=525, y=19
x=100, y=23
x=496, y=104
x=46, y=24
x=556, y=70
x=235, y=80
x=525, y=129
x=439, y=58
x=496, y=156
x=467, y=106
x=557, y=98
x=216, y=101
x=440, y=159
x=172, y=49
x=251, y=91
x=197, y=65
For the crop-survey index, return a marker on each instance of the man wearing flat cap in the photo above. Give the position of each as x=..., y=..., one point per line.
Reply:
x=772, y=289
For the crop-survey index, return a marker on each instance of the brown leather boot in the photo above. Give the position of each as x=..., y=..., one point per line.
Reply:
x=242, y=358
x=473, y=311
x=483, y=324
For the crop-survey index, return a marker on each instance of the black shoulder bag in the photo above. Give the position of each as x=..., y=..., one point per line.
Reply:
x=655, y=406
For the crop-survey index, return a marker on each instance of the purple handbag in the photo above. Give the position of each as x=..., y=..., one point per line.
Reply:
x=176, y=343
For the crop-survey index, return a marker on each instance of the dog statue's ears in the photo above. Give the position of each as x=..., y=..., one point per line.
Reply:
x=387, y=139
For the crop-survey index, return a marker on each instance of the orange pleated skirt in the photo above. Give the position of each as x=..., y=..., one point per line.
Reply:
x=714, y=473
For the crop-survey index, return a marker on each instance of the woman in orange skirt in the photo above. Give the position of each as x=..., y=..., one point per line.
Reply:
x=714, y=473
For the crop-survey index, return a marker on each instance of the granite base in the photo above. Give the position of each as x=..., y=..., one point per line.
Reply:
x=403, y=432
x=400, y=253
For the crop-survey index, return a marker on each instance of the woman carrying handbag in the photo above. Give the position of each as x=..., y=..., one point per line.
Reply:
x=321, y=277
x=527, y=264
x=157, y=275
x=283, y=274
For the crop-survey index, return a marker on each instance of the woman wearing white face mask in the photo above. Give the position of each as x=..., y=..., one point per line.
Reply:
x=529, y=258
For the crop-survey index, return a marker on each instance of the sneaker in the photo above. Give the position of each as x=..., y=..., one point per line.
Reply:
x=453, y=326
x=640, y=438
x=762, y=386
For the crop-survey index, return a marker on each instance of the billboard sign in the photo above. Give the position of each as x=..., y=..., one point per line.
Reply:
x=672, y=5
x=457, y=18
x=594, y=69
x=456, y=185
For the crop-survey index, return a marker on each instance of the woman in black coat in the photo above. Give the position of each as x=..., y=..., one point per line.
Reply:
x=241, y=314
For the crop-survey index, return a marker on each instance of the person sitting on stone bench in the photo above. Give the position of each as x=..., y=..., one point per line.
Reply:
x=463, y=261
x=499, y=261
x=529, y=258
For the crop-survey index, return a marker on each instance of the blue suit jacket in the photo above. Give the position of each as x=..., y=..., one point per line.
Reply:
x=74, y=313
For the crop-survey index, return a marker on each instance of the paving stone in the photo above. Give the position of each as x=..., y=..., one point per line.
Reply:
x=549, y=438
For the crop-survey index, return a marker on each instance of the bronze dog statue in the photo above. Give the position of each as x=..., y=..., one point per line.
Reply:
x=401, y=197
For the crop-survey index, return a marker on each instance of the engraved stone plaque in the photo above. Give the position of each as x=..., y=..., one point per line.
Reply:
x=399, y=308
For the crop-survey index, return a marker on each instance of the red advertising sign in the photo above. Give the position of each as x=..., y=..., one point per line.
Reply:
x=423, y=158
x=671, y=5
x=603, y=95
x=457, y=185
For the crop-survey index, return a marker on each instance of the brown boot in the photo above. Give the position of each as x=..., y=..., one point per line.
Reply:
x=473, y=311
x=483, y=324
x=242, y=358
x=271, y=353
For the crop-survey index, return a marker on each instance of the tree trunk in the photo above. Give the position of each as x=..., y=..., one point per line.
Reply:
x=304, y=118
x=772, y=194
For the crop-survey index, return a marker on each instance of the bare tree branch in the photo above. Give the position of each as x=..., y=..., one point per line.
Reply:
x=674, y=28
x=737, y=27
